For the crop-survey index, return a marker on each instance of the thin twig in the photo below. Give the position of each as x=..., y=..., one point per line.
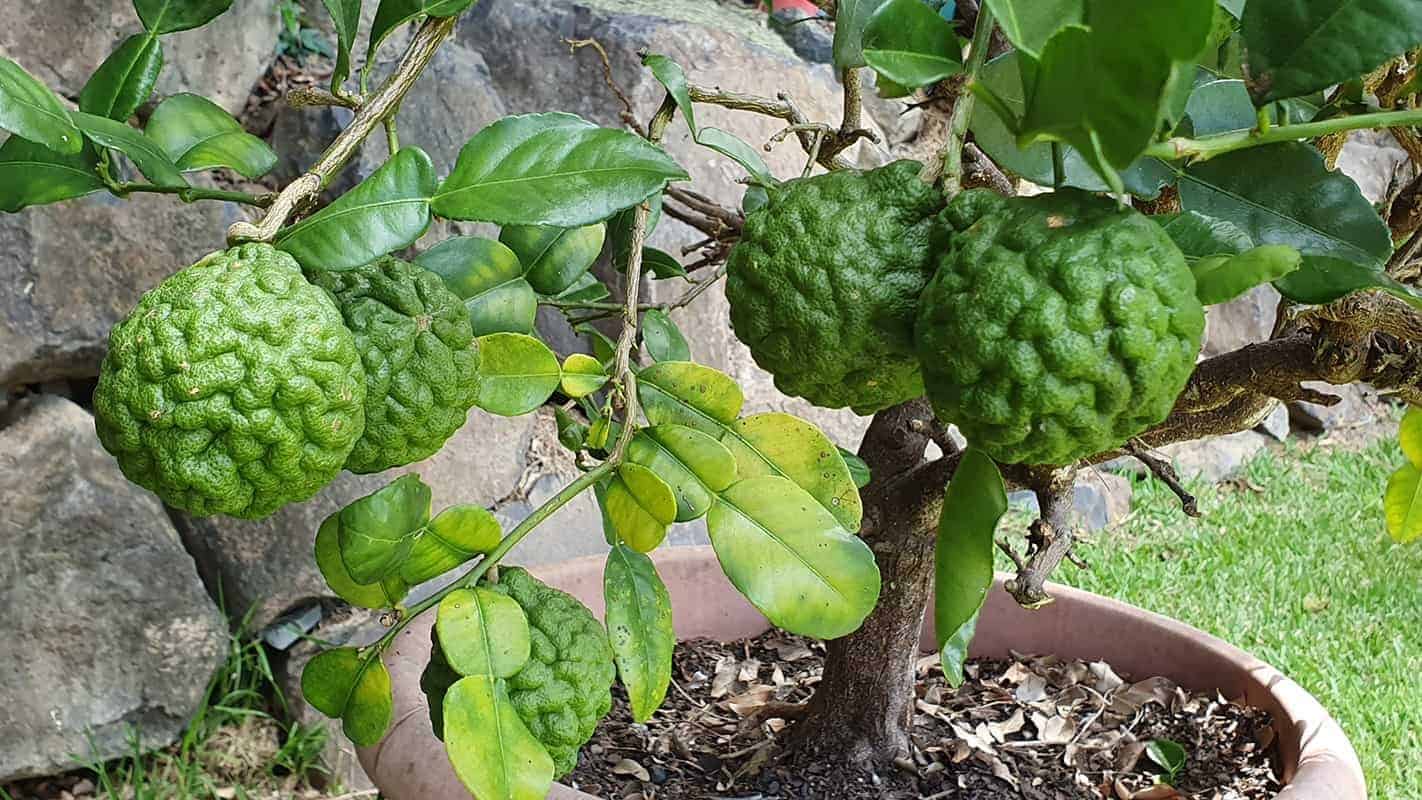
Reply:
x=952, y=157
x=629, y=114
x=1163, y=470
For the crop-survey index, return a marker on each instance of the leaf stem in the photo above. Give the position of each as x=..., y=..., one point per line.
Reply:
x=190, y=194
x=963, y=105
x=1207, y=147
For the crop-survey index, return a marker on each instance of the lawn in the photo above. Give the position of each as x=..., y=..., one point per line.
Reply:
x=1292, y=563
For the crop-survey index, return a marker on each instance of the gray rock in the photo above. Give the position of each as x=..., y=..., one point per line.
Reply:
x=1358, y=406
x=63, y=42
x=1218, y=458
x=69, y=271
x=267, y=567
x=812, y=41
x=1277, y=423
x=300, y=135
x=1370, y=158
x=1099, y=499
x=106, y=624
x=1244, y=320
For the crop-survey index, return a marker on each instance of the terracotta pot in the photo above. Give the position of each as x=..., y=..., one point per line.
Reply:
x=1318, y=762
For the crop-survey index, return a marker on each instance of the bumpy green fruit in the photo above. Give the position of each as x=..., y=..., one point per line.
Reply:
x=565, y=687
x=421, y=363
x=1057, y=326
x=233, y=387
x=824, y=283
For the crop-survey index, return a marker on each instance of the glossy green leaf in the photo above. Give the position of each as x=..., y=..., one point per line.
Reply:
x=435, y=680
x=662, y=338
x=972, y=505
x=171, y=16
x=1219, y=279
x=494, y=755
x=1028, y=24
x=380, y=594
x=1285, y=194
x=1199, y=236
x=28, y=109
x=572, y=433
x=737, y=150
x=385, y=212
x=953, y=651
x=639, y=626
x=640, y=506
x=554, y=258
x=456, y=535
x=1220, y=106
x=1168, y=755
x=792, y=559
x=198, y=134
x=586, y=289
x=517, y=373
x=1409, y=435
x=1299, y=46
x=619, y=232
x=344, y=685
x=671, y=76
x=32, y=174
x=582, y=375
x=126, y=78
x=858, y=470
x=552, y=169
x=1101, y=87
x=378, y=530
x=345, y=18
x=911, y=45
x=144, y=152
x=660, y=264
x=483, y=632
x=685, y=393
x=851, y=17
x=695, y=465
x=774, y=443
x=488, y=276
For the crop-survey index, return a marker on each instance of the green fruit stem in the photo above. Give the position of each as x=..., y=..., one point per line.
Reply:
x=1207, y=147
x=963, y=106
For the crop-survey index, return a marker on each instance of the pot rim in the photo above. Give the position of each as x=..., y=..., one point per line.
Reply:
x=1318, y=761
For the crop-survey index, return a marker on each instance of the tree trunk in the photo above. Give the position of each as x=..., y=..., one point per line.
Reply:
x=863, y=706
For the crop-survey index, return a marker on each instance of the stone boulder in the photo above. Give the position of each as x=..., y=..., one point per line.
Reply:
x=1244, y=320
x=69, y=271
x=106, y=625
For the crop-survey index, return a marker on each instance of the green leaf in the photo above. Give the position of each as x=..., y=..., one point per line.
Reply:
x=171, y=16
x=582, y=375
x=385, y=212
x=391, y=14
x=552, y=169
x=572, y=433
x=1101, y=88
x=1409, y=435
x=1168, y=755
x=684, y=393
x=911, y=45
x=29, y=110
x=586, y=289
x=1028, y=24
x=972, y=504
x=858, y=470
x=1402, y=504
x=197, y=134
x=454, y=536
x=517, y=373
x=344, y=685
x=851, y=17
x=639, y=626
x=380, y=594
x=1220, y=106
x=662, y=338
x=145, y=153
x=125, y=80
x=640, y=506
x=694, y=464
x=779, y=444
x=483, y=632
x=1219, y=279
x=494, y=755
x=792, y=559
x=619, y=231
x=489, y=278
x=32, y=174
x=378, y=530
x=738, y=151
x=953, y=651
x=670, y=75
x=1199, y=236
x=345, y=18
x=1299, y=46
x=661, y=264
x=554, y=258
x=1284, y=194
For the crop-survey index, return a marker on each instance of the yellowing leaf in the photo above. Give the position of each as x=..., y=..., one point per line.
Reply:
x=640, y=506
x=1409, y=433
x=582, y=375
x=1402, y=504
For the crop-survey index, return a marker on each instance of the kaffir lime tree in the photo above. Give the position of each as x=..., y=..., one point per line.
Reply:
x=1188, y=145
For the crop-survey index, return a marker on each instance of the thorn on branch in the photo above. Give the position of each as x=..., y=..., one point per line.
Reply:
x=1163, y=470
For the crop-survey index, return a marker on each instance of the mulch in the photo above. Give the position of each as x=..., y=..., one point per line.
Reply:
x=1034, y=728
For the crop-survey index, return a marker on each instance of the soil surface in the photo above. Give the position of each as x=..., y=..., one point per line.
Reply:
x=1034, y=728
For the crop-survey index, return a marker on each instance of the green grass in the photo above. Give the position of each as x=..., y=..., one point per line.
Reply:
x=1292, y=564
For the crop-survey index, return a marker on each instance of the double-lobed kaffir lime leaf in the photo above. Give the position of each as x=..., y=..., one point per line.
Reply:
x=378, y=531
x=554, y=258
x=455, y=535
x=354, y=688
x=489, y=278
x=517, y=373
x=639, y=506
x=197, y=134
